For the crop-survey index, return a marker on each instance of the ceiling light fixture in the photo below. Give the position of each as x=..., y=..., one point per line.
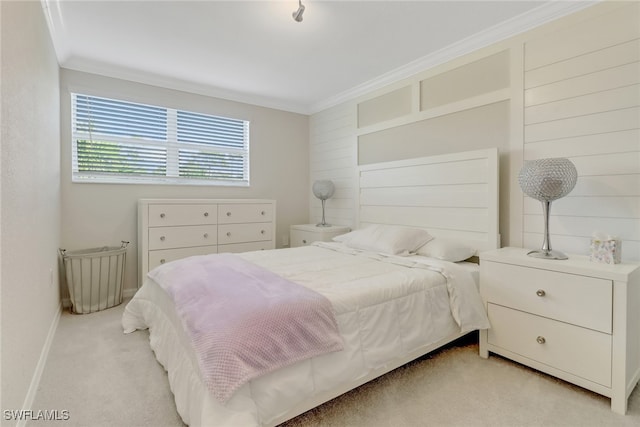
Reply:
x=297, y=15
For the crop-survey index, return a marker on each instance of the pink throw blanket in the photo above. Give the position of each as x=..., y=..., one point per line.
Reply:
x=245, y=321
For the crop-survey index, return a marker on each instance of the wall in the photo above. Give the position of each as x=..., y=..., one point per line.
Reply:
x=30, y=218
x=569, y=88
x=95, y=215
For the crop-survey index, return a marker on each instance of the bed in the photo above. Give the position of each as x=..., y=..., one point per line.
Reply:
x=392, y=287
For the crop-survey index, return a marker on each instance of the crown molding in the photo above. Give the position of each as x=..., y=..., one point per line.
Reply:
x=543, y=14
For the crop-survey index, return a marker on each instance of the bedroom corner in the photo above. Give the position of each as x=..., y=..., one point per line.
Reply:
x=30, y=206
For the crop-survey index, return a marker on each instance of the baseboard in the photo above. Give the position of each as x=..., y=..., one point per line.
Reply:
x=37, y=375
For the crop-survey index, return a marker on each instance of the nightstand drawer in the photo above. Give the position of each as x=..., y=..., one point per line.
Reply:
x=181, y=237
x=303, y=238
x=579, y=300
x=161, y=215
x=241, y=213
x=167, y=255
x=578, y=351
x=305, y=234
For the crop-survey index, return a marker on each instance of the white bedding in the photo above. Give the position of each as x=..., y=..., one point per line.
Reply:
x=385, y=311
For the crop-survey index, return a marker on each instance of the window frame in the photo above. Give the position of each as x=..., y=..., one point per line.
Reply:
x=171, y=144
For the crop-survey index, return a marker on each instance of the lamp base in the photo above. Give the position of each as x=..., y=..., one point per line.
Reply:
x=541, y=253
x=323, y=224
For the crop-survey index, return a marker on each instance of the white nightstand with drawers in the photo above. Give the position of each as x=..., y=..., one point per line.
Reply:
x=170, y=229
x=574, y=319
x=305, y=234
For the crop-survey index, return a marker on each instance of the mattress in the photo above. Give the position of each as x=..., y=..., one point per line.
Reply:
x=386, y=308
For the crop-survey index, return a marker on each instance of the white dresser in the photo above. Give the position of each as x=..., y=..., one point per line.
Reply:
x=574, y=319
x=170, y=229
x=305, y=234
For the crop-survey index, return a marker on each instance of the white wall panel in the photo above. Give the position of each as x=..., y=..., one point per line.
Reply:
x=609, y=164
x=598, y=60
x=608, y=185
x=610, y=121
x=616, y=27
x=614, y=99
x=585, y=145
x=592, y=206
x=332, y=156
x=612, y=78
x=582, y=226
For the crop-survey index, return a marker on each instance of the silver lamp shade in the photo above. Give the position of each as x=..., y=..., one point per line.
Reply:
x=547, y=180
x=323, y=190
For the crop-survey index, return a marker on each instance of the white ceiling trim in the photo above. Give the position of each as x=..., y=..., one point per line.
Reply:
x=514, y=26
x=517, y=25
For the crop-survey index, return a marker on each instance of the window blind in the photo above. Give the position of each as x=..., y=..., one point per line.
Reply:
x=120, y=141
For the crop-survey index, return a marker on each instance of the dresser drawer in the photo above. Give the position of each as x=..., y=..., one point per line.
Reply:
x=578, y=351
x=579, y=300
x=239, y=233
x=246, y=247
x=170, y=214
x=247, y=212
x=180, y=237
x=162, y=256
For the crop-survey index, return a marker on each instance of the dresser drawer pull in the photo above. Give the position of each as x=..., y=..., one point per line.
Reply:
x=540, y=292
x=541, y=340
x=262, y=232
x=162, y=261
x=161, y=215
x=206, y=235
x=263, y=213
x=162, y=238
x=228, y=234
x=304, y=241
x=228, y=213
x=206, y=214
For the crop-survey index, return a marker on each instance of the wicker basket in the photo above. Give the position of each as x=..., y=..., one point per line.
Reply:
x=95, y=277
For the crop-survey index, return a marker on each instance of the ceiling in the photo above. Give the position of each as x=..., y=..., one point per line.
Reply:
x=253, y=51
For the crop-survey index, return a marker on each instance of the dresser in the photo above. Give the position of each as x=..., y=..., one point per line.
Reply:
x=574, y=319
x=170, y=229
x=305, y=234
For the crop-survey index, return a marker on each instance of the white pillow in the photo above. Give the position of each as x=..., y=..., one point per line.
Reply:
x=346, y=236
x=446, y=250
x=387, y=239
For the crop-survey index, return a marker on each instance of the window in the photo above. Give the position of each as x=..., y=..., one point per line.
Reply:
x=125, y=142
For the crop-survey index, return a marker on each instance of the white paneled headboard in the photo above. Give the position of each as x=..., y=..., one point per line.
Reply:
x=451, y=195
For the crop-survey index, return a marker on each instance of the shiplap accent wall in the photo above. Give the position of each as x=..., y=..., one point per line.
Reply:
x=582, y=101
x=333, y=156
x=573, y=91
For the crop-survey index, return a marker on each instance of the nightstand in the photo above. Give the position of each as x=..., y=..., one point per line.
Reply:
x=574, y=319
x=305, y=234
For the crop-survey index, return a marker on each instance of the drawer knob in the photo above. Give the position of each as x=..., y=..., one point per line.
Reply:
x=541, y=340
x=162, y=261
x=206, y=235
x=228, y=213
x=262, y=213
x=262, y=231
x=206, y=214
x=304, y=241
x=162, y=215
x=162, y=238
x=228, y=234
x=540, y=292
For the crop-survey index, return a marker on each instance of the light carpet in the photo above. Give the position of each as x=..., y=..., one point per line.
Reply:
x=105, y=378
